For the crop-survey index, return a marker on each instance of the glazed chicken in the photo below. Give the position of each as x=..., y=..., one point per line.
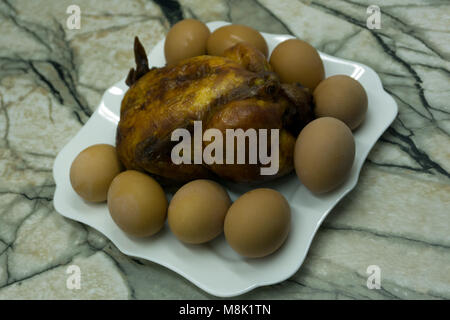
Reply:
x=237, y=90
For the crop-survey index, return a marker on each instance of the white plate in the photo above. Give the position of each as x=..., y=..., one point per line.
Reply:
x=215, y=267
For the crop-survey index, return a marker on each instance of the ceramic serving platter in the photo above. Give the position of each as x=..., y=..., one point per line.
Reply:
x=215, y=267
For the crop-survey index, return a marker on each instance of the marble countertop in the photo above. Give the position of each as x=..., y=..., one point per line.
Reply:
x=397, y=218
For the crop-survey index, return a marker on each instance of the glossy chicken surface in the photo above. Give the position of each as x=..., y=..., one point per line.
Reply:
x=238, y=90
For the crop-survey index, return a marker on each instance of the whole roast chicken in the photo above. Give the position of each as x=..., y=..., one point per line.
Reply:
x=236, y=90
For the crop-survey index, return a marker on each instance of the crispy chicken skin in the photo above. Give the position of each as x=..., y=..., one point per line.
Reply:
x=238, y=90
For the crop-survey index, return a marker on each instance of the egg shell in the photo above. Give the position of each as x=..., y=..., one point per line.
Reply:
x=295, y=60
x=197, y=211
x=258, y=223
x=186, y=39
x=93, y=170
x=227, y=36
x=324, y=154
x=341, y=97
x=137, y=203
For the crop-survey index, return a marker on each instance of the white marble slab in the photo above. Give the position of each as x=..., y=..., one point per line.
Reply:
x=51, y=79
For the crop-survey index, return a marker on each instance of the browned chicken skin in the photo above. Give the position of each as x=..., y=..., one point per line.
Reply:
x=238, y=90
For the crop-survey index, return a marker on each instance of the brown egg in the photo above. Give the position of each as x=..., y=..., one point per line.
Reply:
x=186, y=39
x=227, y=36
x=324, y=154
x=197, y=211
x=137, y=203
x=341, y=97
x=258, y=223
x=93, y=170
x=295, y=60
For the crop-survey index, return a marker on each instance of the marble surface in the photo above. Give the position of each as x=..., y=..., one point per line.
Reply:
x=52, y=78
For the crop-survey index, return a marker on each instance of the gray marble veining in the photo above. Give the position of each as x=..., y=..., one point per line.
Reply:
x=52, y=78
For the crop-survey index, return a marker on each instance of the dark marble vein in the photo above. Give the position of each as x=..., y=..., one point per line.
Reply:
x=336, y=292
x=414, y=152
x=409, y=146
x=171, y=10
x=405, y=28
x=385, y=235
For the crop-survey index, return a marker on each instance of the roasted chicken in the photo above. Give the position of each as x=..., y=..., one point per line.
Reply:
x=237, y=90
